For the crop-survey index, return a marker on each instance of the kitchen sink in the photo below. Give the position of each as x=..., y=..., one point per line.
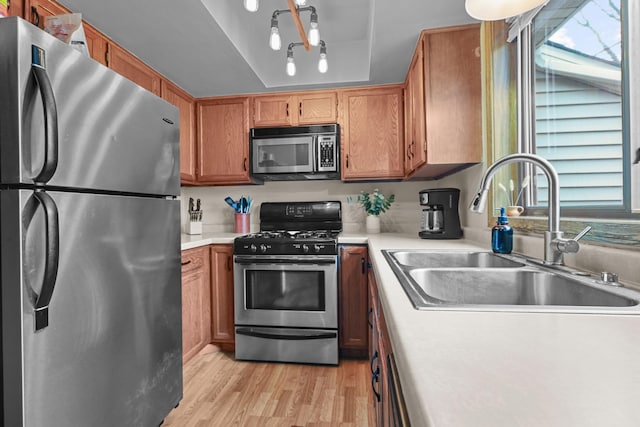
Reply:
x=483, y=281
x=429, y=259
x=512, y=287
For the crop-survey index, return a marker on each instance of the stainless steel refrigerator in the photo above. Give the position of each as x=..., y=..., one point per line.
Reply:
x=89, y=240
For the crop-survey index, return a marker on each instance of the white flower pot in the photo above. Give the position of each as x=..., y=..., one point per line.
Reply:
x=373, y=224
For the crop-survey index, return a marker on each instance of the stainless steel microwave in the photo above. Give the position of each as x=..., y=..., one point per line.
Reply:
x=295, y=153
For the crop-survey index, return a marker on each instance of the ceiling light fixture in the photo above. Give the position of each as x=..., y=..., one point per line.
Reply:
x=323, y=64
x=301, y=2
x=274, y=39
x=251, y=5
x=493, y=10
x=314, y=33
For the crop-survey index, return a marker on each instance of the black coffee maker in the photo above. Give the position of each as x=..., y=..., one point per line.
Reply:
x=440, y=218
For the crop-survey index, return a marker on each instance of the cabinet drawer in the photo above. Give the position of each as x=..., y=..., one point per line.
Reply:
x=194, y=259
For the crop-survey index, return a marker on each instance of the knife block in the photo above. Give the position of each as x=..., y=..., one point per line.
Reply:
x=194, y=227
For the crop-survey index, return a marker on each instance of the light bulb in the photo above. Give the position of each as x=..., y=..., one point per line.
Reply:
x=301, y=2
x=323, y=65
x=314, y=34
x=251, y=5
x=291, y=66
x=274, y=40
x=492, y=10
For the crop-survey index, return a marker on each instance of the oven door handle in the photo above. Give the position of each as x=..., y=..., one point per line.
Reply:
x=298, y=261
x=250, y=332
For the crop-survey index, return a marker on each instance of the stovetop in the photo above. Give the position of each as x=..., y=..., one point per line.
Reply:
x=318, y=242
x=294, y=228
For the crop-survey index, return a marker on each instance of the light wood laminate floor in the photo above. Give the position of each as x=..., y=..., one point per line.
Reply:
x=220, y=391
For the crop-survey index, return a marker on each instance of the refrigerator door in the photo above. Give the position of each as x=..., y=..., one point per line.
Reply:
x=68, y=121
x=109, y=353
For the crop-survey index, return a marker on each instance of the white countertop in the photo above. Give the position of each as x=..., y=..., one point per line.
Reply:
x=501, y=369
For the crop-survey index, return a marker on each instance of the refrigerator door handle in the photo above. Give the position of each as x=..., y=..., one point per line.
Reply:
x=52, y=250
x=50, y=115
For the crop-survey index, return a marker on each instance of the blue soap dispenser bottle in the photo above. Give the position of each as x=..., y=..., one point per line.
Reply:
x=502, y=235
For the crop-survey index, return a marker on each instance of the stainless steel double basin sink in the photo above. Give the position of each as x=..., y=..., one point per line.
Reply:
x=484, y=281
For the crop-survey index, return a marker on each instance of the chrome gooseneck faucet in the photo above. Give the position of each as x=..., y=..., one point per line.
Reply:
x=555, y=246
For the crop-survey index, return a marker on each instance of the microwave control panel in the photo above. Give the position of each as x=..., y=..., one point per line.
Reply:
x=327, y=153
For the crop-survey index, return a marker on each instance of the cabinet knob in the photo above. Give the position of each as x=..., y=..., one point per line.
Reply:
x=347, y=159
x=244, y=164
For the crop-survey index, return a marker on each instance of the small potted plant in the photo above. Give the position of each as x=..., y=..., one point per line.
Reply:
x=374, y=204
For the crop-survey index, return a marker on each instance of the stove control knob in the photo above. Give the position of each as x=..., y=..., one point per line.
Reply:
x=263, y=248
x=316, y=248
x=305, y=248
x=253, y=248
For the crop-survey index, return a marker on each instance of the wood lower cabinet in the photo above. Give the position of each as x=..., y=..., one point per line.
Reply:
x=129, y=66
x=444, y=97
x=97, y=44
x=222, y=313
x=196, y=306
x=293, y=109
x=186, y=104
x=223, y=141
x=352, y=302
x=386, y=393
x=372, y=133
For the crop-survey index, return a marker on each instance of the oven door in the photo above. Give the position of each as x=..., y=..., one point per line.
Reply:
x=287, y=291
x=283, y=155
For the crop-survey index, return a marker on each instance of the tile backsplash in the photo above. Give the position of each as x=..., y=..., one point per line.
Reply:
x=402, y=217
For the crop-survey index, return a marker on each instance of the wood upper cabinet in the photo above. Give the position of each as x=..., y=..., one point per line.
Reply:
x=303, y=108
x=36, y=10
x=222, y=313
x=352, y=301
x=186, y=104
x=223, y=140
x=15, y=8
x=415, y=140
x=97, y=44
x=372, y=133
x=196, y=301
x=452, y=111
x=127, y=65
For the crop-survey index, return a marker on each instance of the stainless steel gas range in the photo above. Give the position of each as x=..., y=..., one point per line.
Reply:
x=286, y=284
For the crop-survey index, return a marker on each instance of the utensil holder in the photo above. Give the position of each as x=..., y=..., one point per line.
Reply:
x=194, y=227
x=242, y=223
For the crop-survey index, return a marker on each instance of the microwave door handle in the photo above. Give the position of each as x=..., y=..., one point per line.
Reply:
x=316, y=149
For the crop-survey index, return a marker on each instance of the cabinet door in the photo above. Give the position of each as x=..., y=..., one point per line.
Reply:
x=372, y=134
x=416, y=144
x=127, y=65
x=196, y=306
x=317, y=108
x=272, y=110
x=15, y=7
x=453, y=100
x=96, y=43
x=352, y=301
x=223, y=141
x=222, y=314
x=39, y=9
x=186, y=104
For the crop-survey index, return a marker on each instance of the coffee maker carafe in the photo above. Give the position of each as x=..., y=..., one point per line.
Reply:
x=440, y=218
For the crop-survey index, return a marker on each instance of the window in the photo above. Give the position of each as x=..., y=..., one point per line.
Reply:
x=575, y=107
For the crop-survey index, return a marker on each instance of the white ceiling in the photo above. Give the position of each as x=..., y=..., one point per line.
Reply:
x=216, y=47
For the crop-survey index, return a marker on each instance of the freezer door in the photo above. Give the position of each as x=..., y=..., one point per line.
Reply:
x=110, y=352
x=68, y=121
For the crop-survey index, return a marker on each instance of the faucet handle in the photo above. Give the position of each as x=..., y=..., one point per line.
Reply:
x=571, y=245
x=581, y=234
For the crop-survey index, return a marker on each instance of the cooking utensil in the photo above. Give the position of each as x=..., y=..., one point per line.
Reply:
x=231, y=203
